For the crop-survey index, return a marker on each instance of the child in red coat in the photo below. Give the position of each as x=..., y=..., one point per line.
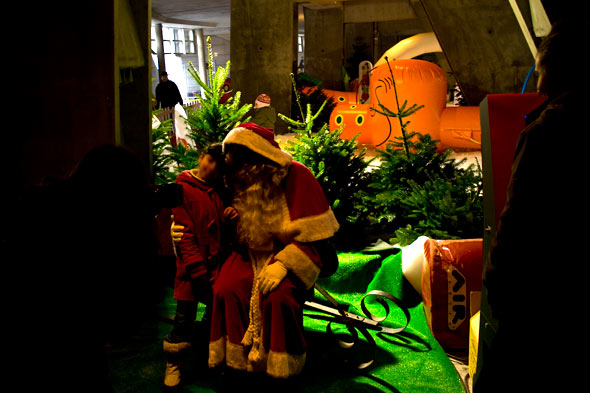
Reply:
x=201, y=215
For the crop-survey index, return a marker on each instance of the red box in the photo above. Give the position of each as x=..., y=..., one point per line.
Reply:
x=452, y=272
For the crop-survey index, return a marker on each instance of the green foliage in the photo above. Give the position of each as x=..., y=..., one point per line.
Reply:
x=315, y=97
x=423, y=193
x=162, y=160
x=337, y=163
x=211, y=122
x=418, y=190
x=407, y=136
x=215, y=118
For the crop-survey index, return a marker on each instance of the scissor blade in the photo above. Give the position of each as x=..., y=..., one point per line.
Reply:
x=338, y=313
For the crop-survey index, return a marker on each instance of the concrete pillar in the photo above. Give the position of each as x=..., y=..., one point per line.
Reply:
x=324, y=45
x=483, y=43
x=135, y=96
x=160, y=49
x=201, y=48
x=262, y=52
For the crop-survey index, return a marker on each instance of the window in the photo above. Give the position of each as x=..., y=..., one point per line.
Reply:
x=300, y=43
x=178, y=40
x=189, y=41
x=175, y=40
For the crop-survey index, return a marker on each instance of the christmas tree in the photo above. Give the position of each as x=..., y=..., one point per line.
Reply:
x=162, y=160
x=208, y=124
x=337, y=163
x=419, y=191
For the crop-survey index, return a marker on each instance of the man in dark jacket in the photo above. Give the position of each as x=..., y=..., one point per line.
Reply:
x=167, y=93
x=537, y=268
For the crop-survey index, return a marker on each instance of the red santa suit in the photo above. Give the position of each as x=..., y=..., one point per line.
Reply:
x=251, y=331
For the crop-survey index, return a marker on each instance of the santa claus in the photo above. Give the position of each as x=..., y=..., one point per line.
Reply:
x=284, y=221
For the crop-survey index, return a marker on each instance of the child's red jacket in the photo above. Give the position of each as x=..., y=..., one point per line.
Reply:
x=201, y=215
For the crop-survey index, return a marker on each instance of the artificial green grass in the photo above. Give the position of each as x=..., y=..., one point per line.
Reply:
x=411, y=361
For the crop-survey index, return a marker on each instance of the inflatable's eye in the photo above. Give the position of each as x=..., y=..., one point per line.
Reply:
x=360, y=119
x=339, y=119
x=340, y=98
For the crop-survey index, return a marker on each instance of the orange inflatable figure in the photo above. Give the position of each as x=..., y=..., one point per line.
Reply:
x=339, y=97
x=417, y=82
x=354, y=117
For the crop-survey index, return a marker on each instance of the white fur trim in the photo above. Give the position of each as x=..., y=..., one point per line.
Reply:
x=248, y=138
x=299, y=263
x=176, y=348
x=284, y=365
x=307, y=229
x=314, y=228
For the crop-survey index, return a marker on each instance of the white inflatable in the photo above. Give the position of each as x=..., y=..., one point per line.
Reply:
x=180, y=128
x=155, y=122
x=411, y=47
x=413, y=259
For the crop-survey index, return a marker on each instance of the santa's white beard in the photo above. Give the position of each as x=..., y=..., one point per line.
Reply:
x=261, y=215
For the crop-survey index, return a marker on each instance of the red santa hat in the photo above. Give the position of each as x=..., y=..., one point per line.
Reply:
x=260, y=140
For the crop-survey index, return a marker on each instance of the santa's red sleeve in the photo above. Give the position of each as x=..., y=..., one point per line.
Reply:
x=310, y=219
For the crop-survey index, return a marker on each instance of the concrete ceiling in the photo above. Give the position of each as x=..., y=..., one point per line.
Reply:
x=212, y=16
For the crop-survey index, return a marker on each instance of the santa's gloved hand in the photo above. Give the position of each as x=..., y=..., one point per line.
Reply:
x=176, y=231
x=271, y=277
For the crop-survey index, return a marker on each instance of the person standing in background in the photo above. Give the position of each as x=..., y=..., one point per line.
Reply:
x=167, y=93
x=264, y=115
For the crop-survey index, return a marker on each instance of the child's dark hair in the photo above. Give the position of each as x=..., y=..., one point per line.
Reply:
x=215, y=150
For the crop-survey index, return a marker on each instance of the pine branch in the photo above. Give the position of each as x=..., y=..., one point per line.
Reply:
x=195, y=74
x=213, y=120
x=297, y=97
